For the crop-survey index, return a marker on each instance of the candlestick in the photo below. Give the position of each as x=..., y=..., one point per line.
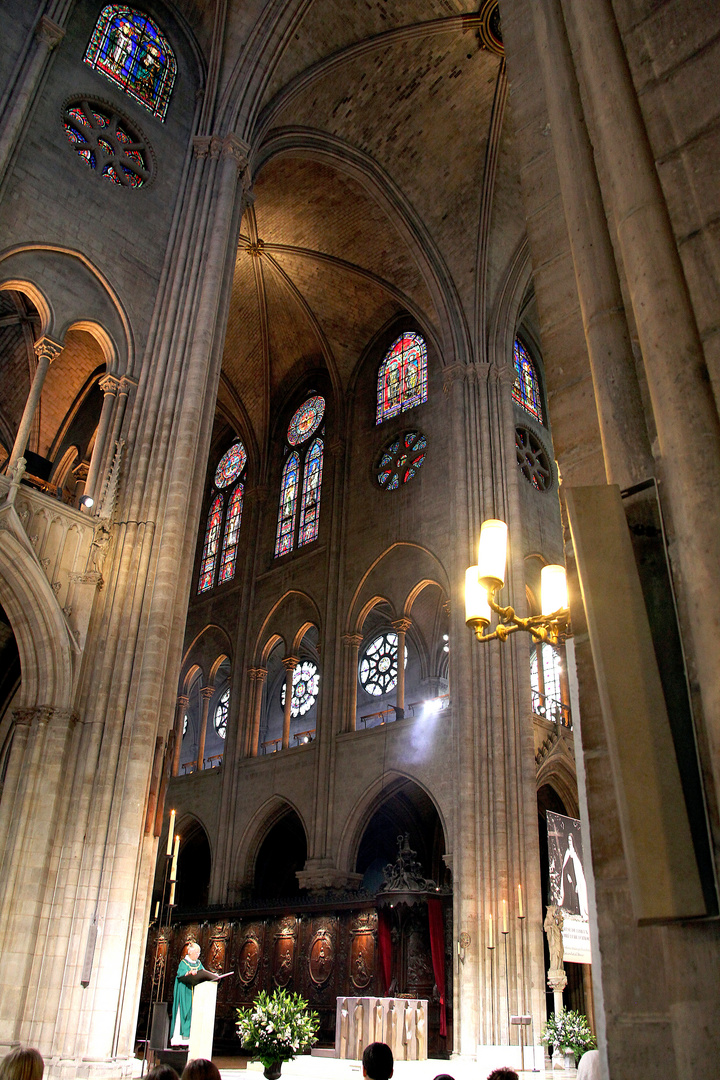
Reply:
x=520, y=907
x=171, y=830
x=173, y=868
x=505, y=922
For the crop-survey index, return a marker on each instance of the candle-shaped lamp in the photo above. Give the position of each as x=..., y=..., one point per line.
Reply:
x=171, y=830
x=157, y=908
x=520, y=907
x=492, y=553
x=171, y=902
x=491, y=942
x=505, y=924
x=173, y=868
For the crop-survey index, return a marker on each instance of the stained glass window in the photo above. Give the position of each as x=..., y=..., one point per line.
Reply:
x=131, y=51
x=312, y=484
x=210, y=548
x=305, y=686
x=378, y=667
x=526, y=389
x=221, y=713
x=224, y=520
x=230, y=540
x=306, y=420
x=106, y=143
x=288, y=504
x=400, y=461
x=230, y=466
x=402, y=378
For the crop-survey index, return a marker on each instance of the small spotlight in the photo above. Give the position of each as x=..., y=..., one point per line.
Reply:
x=87, y=500
x=432, y=706
x=446, y=648
x=445, y=637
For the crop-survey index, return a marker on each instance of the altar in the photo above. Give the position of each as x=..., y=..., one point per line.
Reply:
x=399, y=1022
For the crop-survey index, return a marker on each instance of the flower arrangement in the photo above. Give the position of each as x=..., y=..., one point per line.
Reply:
x=569, y=1030
x=277, y=1027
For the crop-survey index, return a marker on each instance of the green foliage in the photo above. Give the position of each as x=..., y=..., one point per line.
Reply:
x=569, y=1030
x=277, y=1027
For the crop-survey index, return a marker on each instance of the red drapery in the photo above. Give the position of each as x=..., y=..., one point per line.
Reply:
x=385, y=947
x=437, y=947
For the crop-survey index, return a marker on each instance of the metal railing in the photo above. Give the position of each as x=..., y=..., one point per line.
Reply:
x=557, y=712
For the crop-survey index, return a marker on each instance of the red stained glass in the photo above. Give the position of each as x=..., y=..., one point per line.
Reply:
x=210, y=547
x=230, y=541
x=312, y=484
x=127, y=165
x=526, y=389
x=401, y=460
x=306, y=420
x=288, y=505
x=402, y=378
x=230, y=466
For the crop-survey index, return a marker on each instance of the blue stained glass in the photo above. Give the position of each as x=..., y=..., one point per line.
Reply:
x=402, y=377
x=312, y=485
x=130, y=50
x=288, y=505
x=401, y=460
x=386, y=459
x=393, y=483
x=526, y=389
x=306, y=420
x=383, y=477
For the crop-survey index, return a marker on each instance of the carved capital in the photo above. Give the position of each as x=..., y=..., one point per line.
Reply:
x=258, y=674
x=182, y=700
x=505, y=374
x=46, y=348
x=201, y=145
x=290, y=662
x=452, y=374
x=88, y=577
x=207, y=692
x=401, y=626
x=49, y=32
x=235, y=148
x=352, y=641
x=127, y=383
x=109, y=384
x=43, y=714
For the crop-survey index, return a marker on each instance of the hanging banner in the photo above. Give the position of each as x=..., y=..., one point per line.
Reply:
x=568, y=888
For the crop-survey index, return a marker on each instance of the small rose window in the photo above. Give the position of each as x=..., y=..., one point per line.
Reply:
x=107, y=144
x=532, y=459
x=401, y=459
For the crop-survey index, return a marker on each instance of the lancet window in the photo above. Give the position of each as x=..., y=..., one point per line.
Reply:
x=546, y=681
x=301, y=477
x=221, y=713
x=132, y=52
x=402, y=377
x=526, y=388
x=224, y=518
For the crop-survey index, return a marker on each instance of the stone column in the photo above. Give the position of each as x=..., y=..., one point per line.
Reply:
x=289, y=663
x=401, y=627
x=20, y=95
x=352, y=643
x=180, y=706
x=46, y=351
x=121, y=399
x=206, y=694
x=109, y=386
x=257, y=678
x=685, y=413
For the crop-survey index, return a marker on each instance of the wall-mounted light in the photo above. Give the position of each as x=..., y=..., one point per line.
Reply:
x=87, y=501
x=488, y=577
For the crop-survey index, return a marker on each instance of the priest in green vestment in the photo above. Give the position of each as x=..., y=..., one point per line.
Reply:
x=182, y=998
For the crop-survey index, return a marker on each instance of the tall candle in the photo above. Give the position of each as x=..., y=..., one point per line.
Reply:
x=505, y=926
x=172, y=895
x=173, y=868
x=157, y=909
x=491, y=943
x=520, y=907
x=171, y=830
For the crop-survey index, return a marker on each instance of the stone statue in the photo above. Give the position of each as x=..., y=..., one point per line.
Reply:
x=359, y=1046
x=553, y=926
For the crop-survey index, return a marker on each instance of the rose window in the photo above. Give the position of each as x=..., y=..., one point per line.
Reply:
x=532, y=459
x=305, y=686
x=401, y=460
x=107, y=144
x=230, y=465
x=306, y=420
x=378, y=667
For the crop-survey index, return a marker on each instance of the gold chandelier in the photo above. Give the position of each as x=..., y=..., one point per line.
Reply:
x=483, y=581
